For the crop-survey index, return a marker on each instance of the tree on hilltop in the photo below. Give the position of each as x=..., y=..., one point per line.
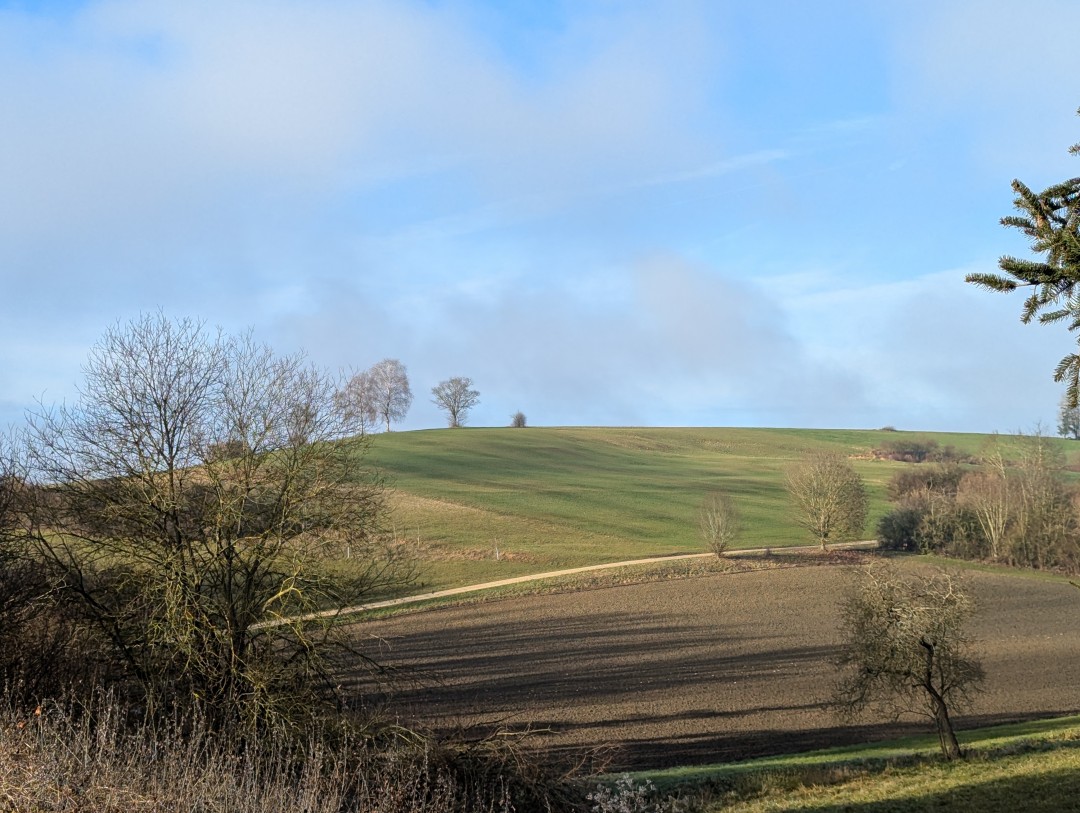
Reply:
x=390, y=390
x=455, y=397
x=356, y=401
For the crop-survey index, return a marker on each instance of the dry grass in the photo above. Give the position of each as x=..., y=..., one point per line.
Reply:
x=59, y=761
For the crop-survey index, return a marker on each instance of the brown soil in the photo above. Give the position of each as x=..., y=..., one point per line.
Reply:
x=714, y=668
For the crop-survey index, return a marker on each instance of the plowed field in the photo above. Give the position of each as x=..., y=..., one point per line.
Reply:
x=705, y=669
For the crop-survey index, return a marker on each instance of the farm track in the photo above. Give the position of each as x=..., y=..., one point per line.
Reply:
x=551, y=574
x=712, y=668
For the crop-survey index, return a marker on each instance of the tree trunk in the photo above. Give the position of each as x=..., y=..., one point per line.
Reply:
x=950, y=747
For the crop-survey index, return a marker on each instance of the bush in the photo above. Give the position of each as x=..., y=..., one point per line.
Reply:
x=899, y=529
x=907, y=450
x=628, y=796
x=719, y=520
x=952, y=530
x=919, y=450
x=920, y=484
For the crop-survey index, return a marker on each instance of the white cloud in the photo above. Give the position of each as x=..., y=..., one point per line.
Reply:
x=146, y=141
x=1003, y=71
x=936, y=351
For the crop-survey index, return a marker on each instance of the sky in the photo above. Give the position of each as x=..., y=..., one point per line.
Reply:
x=669, y=213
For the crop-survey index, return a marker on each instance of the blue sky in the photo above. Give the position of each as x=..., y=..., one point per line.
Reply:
x=603, y=212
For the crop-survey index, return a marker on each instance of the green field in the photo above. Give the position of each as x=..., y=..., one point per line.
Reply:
x=480, y=504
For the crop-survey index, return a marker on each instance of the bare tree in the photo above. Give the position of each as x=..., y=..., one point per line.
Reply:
x=390, y=390
x=1045, y=532
x=517, y=420
x=905, y=649
x=830, y=496
x=720, y=522
x=456, y=397
x=988, y=495
x=356, y=401
x=191, y=499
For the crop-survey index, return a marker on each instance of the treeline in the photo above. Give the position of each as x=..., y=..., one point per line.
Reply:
x=1013, y=506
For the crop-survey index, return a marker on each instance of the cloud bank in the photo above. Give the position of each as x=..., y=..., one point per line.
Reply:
x=648, y=213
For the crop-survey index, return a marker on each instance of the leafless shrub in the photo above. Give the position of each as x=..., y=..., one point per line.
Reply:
x=627, y=796
x=192, y=496
x=917, y=486
x=919, y=450
x=989, y=495
x=517, y=420
x=719, y=521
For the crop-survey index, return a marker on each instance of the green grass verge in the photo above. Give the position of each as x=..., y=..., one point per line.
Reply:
x=1032, y=765
x=486, y=504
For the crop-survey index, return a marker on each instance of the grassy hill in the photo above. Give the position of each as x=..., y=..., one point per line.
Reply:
x=482, y=504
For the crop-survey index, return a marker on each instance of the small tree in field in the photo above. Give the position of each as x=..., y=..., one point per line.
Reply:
x=456, y=397
x=720, y=522
x=905, y=649
x=517, y=420
x=830, y=496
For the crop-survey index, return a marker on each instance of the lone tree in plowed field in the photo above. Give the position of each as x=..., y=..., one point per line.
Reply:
x=905, y=649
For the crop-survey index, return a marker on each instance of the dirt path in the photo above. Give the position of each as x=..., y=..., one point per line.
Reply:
x=681, y=672
x=472, y=588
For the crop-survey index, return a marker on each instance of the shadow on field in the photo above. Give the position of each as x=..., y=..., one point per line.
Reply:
x=692, y=671
x=603, y=657
x=736, y=746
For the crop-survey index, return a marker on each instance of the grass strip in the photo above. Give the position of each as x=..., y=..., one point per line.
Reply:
x=1032, y=765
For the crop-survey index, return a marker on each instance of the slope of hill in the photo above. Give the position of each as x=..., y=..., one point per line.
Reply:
x=480, y=504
